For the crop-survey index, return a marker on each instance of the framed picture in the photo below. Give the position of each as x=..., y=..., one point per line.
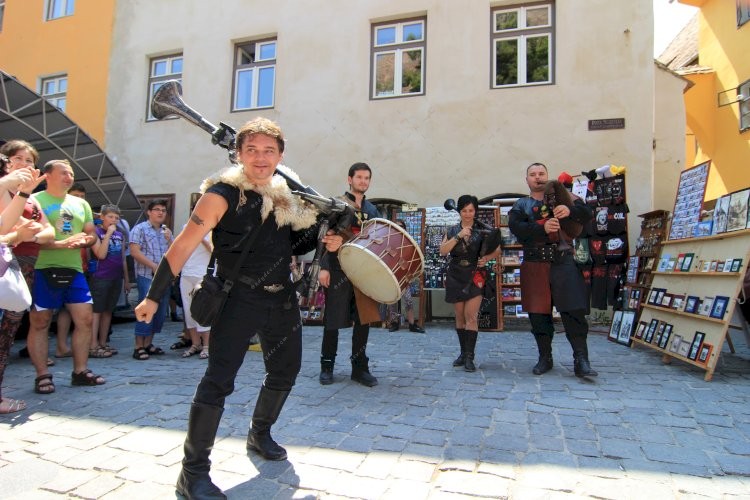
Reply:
x=626, y=327
x=691, y=304
x=632, y=274
x=666, y=301
x=705, y=266
x=705, y=353
x=706, y=306
x=736, y=265
x=720, y=215
x=665, y=336
x=691, y=189
x=737, y=212
x=649, y=264
x=641, y=330
x=614, y=329
x=674, y=346
x=660, y=296
x=684, y=348
x=720, y=307
x=696, y=345
x=703, y=228
x=652, y=296
x=678, y=302
x=728, y=265
x=649, y=335
x=713, y=266
x=687, y=262
x=660, y=332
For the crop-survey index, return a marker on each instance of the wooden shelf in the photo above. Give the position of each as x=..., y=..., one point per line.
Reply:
x=695, y=273
x=683, y=313
x=668, y=354
x=720, y=236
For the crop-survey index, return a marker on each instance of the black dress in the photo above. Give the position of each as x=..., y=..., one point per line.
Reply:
x=459, y=283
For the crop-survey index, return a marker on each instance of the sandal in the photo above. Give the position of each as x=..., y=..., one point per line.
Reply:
x=99, y=352
x=86, y=377
x=109, y=348
x=140, y=354
x=195, y=349
x=181, y=344
x=50, y=362
x=153, y=350
x=11, y=406
x=43, y=384
x=204, y=352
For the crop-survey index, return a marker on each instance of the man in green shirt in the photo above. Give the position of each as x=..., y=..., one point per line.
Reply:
x=59, y=279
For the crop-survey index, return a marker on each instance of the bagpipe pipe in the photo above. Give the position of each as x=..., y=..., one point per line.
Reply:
x=338, y=215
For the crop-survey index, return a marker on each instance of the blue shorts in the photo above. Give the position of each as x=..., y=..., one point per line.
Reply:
x=48, y=297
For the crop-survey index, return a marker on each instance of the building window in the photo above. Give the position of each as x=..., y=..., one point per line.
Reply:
x=398, y=57
x=2, y=13
x=743, y=12
x=744, y=91
x=254, y=75
x=162, y=69
x=55, y=90
x=522, y=45
x=59, y=8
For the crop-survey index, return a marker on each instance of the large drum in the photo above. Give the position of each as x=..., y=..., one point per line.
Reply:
x=381, y=260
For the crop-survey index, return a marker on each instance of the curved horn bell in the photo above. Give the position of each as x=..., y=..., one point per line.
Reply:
x=167, y=101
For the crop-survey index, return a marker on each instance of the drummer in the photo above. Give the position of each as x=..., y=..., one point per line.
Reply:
x=345, y=304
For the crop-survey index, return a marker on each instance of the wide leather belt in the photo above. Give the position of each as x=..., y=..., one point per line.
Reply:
x=547, y=253
x=465, y=263
x=272, y=288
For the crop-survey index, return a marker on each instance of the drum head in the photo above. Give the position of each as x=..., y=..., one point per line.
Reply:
x=368, y=273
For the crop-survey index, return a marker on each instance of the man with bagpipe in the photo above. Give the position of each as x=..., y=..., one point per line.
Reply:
x=545, y=222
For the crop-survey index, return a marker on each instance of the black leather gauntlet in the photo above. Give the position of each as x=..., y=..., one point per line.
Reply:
x=161, y=282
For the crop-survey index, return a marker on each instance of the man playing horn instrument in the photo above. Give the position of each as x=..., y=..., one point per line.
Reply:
x=237, y=201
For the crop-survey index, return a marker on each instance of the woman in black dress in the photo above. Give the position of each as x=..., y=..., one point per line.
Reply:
x=463, y=242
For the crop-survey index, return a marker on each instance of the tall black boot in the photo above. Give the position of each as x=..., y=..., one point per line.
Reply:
x=461, y=359
x=544, y=344
x=267, y=410
x=194, y=481
x=326, y=370
x=471, y=344
x=581, y=366
x=361, y=371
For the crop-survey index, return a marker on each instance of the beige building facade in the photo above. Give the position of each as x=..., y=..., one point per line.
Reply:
x=440, y=97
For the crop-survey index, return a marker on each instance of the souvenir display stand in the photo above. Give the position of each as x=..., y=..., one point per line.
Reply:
x=687, y=311
x=314, y=317
x=697, y=276
x=414, y=221
x=643, y=263
x=511, y=258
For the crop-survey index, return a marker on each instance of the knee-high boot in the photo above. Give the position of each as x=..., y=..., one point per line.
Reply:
x=581, y=365
x=461, y=359
x=267, y=410
x=194, y=481
x=471, y=344
x=544, y=344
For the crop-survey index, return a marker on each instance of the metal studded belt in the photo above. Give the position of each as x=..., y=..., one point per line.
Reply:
x=273, y=288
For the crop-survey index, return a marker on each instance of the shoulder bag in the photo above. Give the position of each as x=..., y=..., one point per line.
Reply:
x=14, y=293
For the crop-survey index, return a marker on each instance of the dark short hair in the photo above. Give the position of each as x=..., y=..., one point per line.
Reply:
x=47, y=168
x=466, y=199
x=77, y=186
x=262, y=126
x=536, y=164
x=156, y=203
x=359, y=166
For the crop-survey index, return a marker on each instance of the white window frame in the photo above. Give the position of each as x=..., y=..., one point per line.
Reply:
x=522, y=34
x=66, y=8
x=744, y=103
x=155, y=81
x=56, y=97
x=398, y=48
x=254, y=68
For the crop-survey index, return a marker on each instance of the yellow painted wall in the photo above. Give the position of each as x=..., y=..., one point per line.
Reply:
x=79, y=46
x=724, y=48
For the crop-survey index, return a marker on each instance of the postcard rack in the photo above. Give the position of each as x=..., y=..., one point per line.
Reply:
x=693, y=294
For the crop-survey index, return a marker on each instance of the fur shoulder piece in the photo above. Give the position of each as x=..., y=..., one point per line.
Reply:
x=277, y=197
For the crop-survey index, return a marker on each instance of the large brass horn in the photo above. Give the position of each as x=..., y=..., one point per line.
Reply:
x=167, y=101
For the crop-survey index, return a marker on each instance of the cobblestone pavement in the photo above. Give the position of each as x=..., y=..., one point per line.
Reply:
x=641, y=429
